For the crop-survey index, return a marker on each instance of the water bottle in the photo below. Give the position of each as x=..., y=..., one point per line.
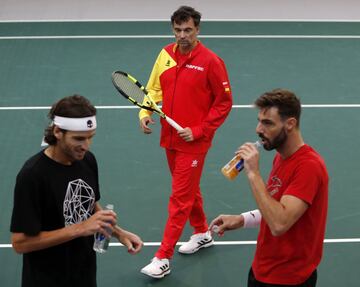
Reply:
x=101, y=242
x=235, y=165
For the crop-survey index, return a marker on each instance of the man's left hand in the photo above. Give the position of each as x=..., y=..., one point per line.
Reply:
x=186, y=134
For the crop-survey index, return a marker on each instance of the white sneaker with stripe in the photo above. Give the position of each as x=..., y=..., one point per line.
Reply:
x=196, y=242
x=158, y=268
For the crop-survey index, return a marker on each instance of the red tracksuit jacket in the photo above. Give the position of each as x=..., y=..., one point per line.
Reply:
x=195, y=94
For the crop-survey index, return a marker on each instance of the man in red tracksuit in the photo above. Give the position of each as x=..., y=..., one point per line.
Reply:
x=192, y=83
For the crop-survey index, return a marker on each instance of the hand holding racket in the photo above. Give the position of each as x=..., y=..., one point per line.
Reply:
x=136, y=93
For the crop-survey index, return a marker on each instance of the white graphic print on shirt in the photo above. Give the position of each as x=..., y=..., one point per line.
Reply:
x=79, y=202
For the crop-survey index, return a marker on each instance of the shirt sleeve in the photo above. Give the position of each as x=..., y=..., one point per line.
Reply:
x=153, y=87
x=91, y=159
x=306, y=181
x=221, y=107
x=26, y=215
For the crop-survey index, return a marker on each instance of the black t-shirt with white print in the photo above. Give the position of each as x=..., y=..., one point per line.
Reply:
x=49, y=196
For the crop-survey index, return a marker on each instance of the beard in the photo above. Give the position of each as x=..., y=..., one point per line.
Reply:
x=72, y=153
x=185, y=44
x=277, y=142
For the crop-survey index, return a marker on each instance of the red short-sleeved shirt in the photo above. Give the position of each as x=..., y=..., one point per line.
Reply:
x=292, y=257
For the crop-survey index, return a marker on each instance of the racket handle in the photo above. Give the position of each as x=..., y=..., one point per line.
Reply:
x=174, y=124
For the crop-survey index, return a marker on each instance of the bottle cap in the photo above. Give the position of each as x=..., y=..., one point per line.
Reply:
x=215, y=229
x=258, y=144
x=109, y=206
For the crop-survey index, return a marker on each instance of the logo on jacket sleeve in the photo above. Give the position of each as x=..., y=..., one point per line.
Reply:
x=226, y=86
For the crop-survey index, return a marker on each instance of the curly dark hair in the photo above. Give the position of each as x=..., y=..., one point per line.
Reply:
x=184, y=13
x=287, y=102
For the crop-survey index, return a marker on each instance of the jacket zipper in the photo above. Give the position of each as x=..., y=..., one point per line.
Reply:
x=178, y=67
x=172, y=104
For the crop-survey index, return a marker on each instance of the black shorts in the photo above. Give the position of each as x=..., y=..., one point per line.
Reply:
x=310, y=282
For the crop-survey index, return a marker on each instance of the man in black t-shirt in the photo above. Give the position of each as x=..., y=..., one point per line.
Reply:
x=56, y=210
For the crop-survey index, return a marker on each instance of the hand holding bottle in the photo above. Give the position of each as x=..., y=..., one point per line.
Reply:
x=101, y=242
x=235, y=165
x=250, y=154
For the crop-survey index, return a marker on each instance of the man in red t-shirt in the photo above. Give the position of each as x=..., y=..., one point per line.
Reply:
x=292, y=206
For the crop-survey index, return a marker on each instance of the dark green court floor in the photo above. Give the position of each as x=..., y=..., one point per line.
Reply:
x=37, y=72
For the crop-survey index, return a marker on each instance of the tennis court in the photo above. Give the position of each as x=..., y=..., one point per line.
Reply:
x=320, y=61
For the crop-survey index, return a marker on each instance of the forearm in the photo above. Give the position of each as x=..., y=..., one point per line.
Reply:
x=215, y=117
x=23, y=243
x=271, y=210
x=222, y=103
x=119, y=233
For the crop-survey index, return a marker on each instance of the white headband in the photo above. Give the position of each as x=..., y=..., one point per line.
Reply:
x=75, y=124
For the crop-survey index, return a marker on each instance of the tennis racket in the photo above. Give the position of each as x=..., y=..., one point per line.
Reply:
x=136, y=93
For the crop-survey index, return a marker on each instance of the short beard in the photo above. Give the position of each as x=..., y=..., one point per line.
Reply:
x=277, y=142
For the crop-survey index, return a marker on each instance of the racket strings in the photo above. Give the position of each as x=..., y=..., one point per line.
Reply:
x=130, y=88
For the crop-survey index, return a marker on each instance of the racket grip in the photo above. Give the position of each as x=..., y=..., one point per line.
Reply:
x=174, y=124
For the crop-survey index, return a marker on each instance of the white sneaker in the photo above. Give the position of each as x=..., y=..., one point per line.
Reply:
x=196, y=242
x=158, y=268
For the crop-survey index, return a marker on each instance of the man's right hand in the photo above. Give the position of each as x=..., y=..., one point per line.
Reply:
x=226, y=222
x=144, y=124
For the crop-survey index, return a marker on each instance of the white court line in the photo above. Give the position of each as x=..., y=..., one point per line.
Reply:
x=234, y=107
x=168, y=20
x=248, y=242
x=5, y=246
x=47, y=108
x=172, y=36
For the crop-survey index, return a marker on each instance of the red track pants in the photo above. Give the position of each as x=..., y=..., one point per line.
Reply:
x=185, y=200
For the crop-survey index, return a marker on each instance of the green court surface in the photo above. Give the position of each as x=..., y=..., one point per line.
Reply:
x=320, y=61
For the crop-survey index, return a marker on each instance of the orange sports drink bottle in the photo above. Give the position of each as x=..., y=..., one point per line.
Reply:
x=235, y=165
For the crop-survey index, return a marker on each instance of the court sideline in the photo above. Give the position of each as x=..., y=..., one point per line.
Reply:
x=161, y=9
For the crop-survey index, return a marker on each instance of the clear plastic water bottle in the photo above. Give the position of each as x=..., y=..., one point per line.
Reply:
x=235, y=165
x=101, y=242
